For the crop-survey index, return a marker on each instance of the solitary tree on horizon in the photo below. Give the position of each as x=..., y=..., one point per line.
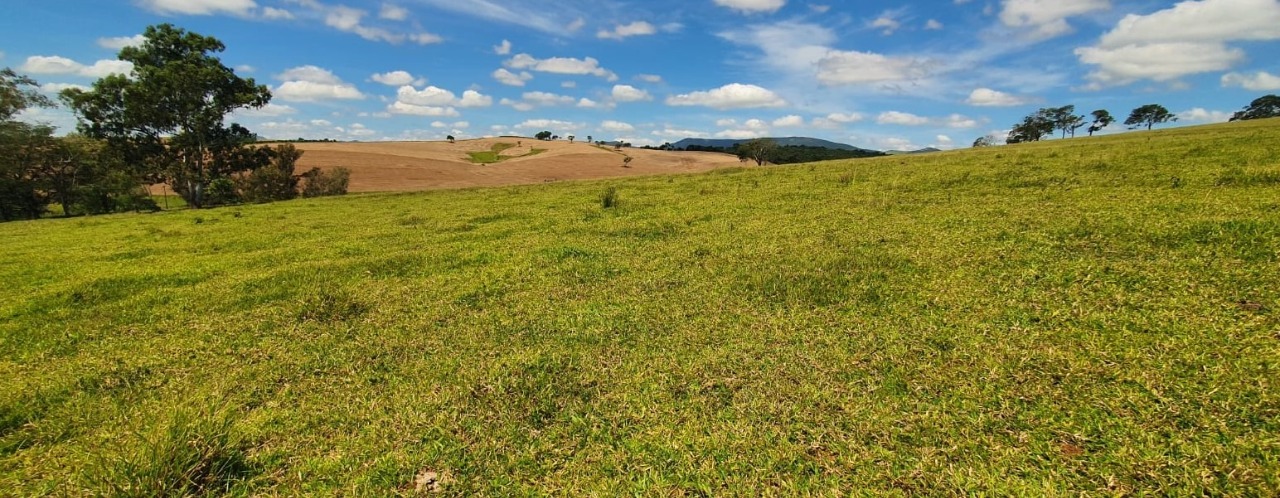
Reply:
x=1266, y=106
x=1101, y=119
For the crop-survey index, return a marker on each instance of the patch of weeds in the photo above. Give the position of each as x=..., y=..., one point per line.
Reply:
x=411, y=220
x=328, y=305
x=609, y=199
x=192, y=452
x=733, y=170
x=480, y=298
x=1236, y=177
x=650, y=231
x=845, y=179
x=198, y=220
x=563, y=253
x=396, y=266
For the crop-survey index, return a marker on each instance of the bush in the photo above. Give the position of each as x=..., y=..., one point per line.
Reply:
x=320, y=183
x=610, y=198
x=189, y=453
x=274, y=181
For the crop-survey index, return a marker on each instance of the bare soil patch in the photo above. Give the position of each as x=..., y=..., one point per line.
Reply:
x=411, y=166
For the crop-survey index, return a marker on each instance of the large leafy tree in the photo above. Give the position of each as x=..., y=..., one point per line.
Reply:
x=1149, y=115
x=1101, y=119
x=1065, y=119
x=759, y=150
x=23, y=149
x=167, y=118
x=1267, y=106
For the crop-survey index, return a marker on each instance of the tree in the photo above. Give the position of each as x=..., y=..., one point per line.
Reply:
x=589, y=139
x=168, y=116
x=1149, y=115
x=450, y=139
x=23, y=148
x=1101, y=119
x=319, y=183
x=984, y=141
x=1267, y=106
x=1064, y=118
x=758, y=150
x=274, y=181
x=543, y=135
x=571, y=138
x=1034, y=127
x=626, y=162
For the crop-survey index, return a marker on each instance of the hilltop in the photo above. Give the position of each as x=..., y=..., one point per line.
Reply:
x=782, y=142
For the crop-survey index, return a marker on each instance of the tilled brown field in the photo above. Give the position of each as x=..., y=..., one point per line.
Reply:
x=410, y=166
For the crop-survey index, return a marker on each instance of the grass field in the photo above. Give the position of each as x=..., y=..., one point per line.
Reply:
x=1090, y=316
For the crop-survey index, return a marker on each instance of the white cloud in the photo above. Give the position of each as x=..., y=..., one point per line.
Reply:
x=398, y=78
x=835, y=119
x=886, y=24
x=311, y=84
x=993, y=98
x=932, y=25
x=617, y=127
x=55, y=88
x=901, y=118
x=517, y=105
x=576, y=25
x=568, y=84
x=649, y=78
x=1201, y=115
x=628, y=93
x=274, y=14
x=512, y=79
x=752, y=6
x=269, y=110
x=241, y=8
x=440, y=98
x=119, y=42
x=852, y=68
x=472, y=98
x=622, y=31
x=1189, y=38
x=1047, y=18
x=547, y=99
x=789, y=121
x=39, y=64
x=731, y=96
x=1258, y=82
x=351, y=20
x=561, y=65
x=560, y=127
x=403, y=108
x=908, y=119
x=392, y=12
x=586, y=103
x=503, y=49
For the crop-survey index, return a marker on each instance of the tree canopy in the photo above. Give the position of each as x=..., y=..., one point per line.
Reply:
x=1266, y=106
x=1149, y=115
x=1101, y=119
x=1035, y=126
x=167, y=117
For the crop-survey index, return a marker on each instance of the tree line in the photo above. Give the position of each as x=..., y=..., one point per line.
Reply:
x=166, y=123
x=1046, y=121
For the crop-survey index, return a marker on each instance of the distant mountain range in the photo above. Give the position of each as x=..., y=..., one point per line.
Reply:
x=783, y=142
x=925, y=150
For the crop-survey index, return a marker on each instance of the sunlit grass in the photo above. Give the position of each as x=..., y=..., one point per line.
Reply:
x=1089, y=316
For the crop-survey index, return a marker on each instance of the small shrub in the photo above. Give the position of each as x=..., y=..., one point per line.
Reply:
x=320, y=183
x=220, y=192
x=846, y=179
x=274, y=181
x=609, y=199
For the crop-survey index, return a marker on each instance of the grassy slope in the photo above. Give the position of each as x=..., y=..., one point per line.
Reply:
x=1059, y=317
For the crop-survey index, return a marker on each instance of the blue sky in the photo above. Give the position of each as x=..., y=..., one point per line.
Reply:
x=876, y=74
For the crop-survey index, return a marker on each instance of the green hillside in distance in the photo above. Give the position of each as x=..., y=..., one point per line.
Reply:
x=1092, y=316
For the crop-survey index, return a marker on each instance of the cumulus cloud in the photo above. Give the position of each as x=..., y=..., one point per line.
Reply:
x=119, y=42
x=554, y=125
x=405, y=108
x=628, y=93
x=617, y=127
x=1047, y=18
x=649, y=78
x=752, y=6
x=392, y=12
x=886, y=24
x=503, y=49
x=56, y=88
x=622, y=31
x=731, y=96
x=1259, y=82
x=853, y=68
x=269, y=110
x=561, y=65
x=243, y=8
x=1189, y=38
x=441, y=102
x=1202, y=115
x=835, y=119
x=398, y=78
x=792, y=121
x=932, y=25
x=987, y=97
x=512, y=79
x=313, y=84
x=39, y=64
x=908, y=119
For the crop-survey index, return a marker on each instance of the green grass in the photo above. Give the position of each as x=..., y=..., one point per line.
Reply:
x=1081, y=317
x=491, y=156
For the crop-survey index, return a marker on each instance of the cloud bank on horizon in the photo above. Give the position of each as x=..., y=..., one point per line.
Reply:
x=878, y=74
